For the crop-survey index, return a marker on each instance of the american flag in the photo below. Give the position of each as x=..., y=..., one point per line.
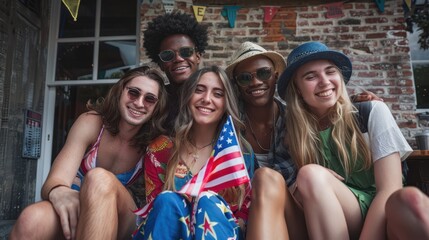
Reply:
x=225, y=167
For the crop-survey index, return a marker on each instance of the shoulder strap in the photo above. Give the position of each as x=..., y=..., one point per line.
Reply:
x=362, y=115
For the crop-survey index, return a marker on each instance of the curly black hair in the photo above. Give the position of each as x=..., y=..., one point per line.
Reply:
x=173, y=23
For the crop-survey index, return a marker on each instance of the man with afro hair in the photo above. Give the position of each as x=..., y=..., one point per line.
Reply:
x=176, y=42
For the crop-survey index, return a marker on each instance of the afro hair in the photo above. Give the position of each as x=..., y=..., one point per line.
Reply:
x=173, y=23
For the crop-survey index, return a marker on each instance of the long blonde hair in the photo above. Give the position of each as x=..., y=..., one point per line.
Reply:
x=184, y=123
x=303, y=131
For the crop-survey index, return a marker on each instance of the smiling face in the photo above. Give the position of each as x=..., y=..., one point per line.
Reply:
x=138, y=100
x=319, y=84
x=179, y=69
x=208, y=102
x=258, y=92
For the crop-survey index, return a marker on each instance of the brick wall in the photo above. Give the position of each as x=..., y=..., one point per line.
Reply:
x=376, y=43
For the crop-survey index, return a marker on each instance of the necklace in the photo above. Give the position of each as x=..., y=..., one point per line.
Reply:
x=195, y=154
x=254, y=135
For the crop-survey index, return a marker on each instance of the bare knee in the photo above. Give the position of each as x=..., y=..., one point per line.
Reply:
x=311, y=180
x=37, y=221
x=268, y=184
x=99, y=183
x=410, y=199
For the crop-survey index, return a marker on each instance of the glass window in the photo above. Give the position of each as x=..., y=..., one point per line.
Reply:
x=85, y=24
x=100, y=44
x=118, y=18
x=70, y=102
x=115, y=57
x=420, y=64
x=75, y=61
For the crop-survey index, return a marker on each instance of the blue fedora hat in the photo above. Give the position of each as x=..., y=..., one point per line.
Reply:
x=312, y=51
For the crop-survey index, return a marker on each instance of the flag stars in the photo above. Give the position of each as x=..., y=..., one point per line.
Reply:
x=208, y=226
x=229, y=140
x=231, y=133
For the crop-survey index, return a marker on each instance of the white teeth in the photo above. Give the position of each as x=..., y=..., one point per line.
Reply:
x=206, y=110
x=136, y=112
x=257, y=92
x=180, y=68
x=325, y=94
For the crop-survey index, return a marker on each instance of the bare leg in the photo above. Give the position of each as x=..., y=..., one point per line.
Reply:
x=38, y=221
x=407, y=213
x=331, y=209
x=106, y=208
x=271, y=207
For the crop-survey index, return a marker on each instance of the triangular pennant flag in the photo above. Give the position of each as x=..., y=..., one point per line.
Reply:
x=199, y=12
x=334, y=10
x=408, y=2
x=168, y=5
x=231, y=13
x=73, y=7
x=380, y=5
x=269, y=12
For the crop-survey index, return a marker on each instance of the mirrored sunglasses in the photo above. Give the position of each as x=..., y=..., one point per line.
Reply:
x=245, y=78
x=170, y=55
x=134, y=94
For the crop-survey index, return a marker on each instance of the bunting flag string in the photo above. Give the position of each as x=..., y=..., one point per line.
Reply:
x=231, y=13
x=73, y=7
x=380, y=5
x=269, y=12
x=199, y=12
x=168, y=5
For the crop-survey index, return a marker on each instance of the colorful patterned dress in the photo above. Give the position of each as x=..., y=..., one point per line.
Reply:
x=176, y=216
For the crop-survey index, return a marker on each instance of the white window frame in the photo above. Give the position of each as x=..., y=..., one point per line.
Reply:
x=45, y=161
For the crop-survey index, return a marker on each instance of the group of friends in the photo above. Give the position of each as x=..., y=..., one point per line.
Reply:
x=314, y=173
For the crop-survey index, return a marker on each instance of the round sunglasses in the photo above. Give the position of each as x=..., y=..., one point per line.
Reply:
x=245, y=78
x=134, y=94
x=170, y=55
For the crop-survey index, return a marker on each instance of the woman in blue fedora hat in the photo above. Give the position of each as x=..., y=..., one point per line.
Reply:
x=345, y=174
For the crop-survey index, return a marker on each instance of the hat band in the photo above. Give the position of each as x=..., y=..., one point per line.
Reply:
x=303, y=54
x=250, y=50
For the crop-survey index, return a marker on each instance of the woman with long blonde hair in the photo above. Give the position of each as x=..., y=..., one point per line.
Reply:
x=206, y=99
x=345, y=175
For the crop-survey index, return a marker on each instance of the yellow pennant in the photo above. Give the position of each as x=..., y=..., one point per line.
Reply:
x=73, y=7
x=199, y=12
x=408, y=2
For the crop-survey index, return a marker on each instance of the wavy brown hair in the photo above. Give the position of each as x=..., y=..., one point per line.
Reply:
x=108, y=107
x=185, y=121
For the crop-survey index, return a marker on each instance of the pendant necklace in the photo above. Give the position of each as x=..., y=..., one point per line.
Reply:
x=254, y=135
x=195, y=154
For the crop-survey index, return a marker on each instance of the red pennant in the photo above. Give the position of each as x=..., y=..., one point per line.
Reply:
x=269, y=12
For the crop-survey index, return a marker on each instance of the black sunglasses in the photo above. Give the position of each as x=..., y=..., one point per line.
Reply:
x=169, y=55
x=134, y=94
x=245, y=78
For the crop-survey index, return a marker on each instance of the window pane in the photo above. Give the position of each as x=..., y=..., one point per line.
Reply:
x=416, y=52
x=74, y=61
x=421, y=79
x=116, y=57
x=85, y=24
x=118, y=18
x=70, y=102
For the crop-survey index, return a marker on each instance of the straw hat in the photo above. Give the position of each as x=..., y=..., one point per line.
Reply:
x=308, y=52
x=249, y=49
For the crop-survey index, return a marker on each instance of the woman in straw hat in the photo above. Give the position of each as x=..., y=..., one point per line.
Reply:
x=343, y=181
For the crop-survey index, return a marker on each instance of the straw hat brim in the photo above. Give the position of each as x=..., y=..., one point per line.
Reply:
x=277, y=59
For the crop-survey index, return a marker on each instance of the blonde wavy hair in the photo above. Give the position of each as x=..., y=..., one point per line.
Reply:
x=303, y=131
x=184, y=123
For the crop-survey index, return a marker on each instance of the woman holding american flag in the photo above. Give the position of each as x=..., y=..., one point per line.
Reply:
x=197, y=182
